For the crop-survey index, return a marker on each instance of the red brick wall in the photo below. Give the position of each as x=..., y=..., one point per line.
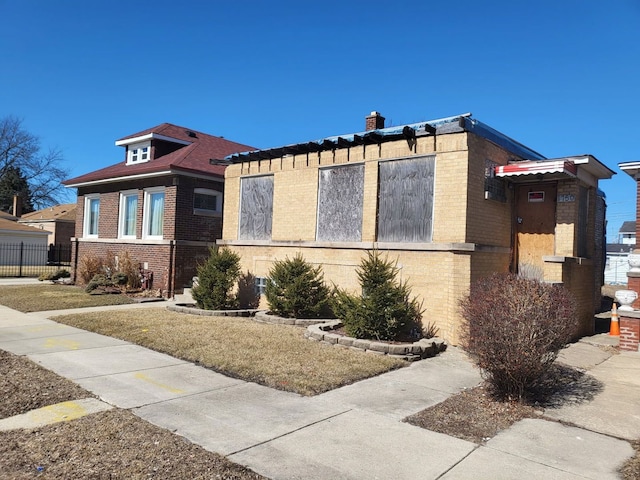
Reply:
x=629, y=333
x=180, y=224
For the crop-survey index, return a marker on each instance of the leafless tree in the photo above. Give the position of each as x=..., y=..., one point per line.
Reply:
x=44, y=171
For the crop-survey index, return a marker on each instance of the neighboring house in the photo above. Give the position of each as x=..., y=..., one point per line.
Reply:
x=452, y=200
x=59, y=221
x=627, y=233
x=617, y=264
x=21, y=244
x=162, y=203
x=633, y=170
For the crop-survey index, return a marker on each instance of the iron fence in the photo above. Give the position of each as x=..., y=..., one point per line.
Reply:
x=28, y=260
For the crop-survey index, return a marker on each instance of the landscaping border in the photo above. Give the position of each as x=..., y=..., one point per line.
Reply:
x=423, y=348
x=320, y=330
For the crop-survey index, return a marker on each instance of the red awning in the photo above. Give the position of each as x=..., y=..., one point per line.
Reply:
x=537, y=168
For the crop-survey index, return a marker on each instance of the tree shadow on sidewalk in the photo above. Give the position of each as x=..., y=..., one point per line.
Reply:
x=563, y=385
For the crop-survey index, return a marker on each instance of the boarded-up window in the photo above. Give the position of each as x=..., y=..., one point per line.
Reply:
x=405, y=201
x=340, y=193
x=256, y=208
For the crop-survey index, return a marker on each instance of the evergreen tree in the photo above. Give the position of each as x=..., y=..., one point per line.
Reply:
x=385, y=310
x=44, y=172
x=12, y=182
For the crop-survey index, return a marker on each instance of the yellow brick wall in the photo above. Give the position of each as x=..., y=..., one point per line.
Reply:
x=481, y=212
x=296, y=185
x=438, y=279
x=566, y=219
x=295, y=197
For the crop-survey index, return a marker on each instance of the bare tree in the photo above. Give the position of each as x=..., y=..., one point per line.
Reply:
x=44, y=172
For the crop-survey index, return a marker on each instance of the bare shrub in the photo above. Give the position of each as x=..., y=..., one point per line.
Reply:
x=131, y=268
x=90, y=266
x=514, y=328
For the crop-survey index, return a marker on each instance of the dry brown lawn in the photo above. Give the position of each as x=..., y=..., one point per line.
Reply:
x=40, y=298
x=277, y=356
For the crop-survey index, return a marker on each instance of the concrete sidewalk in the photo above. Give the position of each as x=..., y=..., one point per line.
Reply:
x=354, y=432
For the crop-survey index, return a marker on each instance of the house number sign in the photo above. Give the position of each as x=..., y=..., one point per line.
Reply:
x=566, y=198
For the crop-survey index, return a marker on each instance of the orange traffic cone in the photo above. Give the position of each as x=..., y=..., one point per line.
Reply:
x=614, y=329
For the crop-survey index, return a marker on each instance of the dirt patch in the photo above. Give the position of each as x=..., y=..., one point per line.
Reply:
x=24, y=386
x=114, y=444
x=631, y=469
x=472, y=415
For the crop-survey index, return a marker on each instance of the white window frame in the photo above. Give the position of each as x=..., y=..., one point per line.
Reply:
x=122, y=211
x=136, y=155
x=211, y=193
x=146, y=213
x=88, y=199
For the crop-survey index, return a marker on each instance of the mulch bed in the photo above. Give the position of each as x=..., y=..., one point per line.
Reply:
x=472, y=415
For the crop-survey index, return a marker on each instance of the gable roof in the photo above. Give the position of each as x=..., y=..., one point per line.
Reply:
x=8, y=216
x=10, y=226
x=200, y=148
x=63, y=212
x=628, y=227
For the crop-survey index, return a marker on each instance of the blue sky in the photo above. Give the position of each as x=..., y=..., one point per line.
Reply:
x=559, y=76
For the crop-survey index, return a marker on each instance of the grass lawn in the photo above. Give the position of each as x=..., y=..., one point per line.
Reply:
x=277, y=356
x=39, y=298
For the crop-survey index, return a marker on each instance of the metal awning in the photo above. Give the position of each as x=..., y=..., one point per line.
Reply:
x=554, y=168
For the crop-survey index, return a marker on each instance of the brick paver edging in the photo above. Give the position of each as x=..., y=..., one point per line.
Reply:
x=424, y=348
x=211, y=313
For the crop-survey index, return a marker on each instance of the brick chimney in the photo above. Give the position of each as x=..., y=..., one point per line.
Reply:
x=17, y=206
x=374, y=121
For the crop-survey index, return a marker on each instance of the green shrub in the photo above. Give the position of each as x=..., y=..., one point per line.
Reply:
x=296, y=289
x=216, y=279
x=514, y=328
x=99, y=280
x=385, y=310
x=53, y=276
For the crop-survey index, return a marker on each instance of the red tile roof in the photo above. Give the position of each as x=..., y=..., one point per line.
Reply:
x=192, y=158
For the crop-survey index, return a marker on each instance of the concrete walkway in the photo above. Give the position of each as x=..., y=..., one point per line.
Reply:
x=354, y=432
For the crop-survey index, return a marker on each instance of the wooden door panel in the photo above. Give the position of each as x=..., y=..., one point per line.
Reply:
x=536, y=214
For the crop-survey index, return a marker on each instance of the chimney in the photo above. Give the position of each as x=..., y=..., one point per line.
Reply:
x=374, y=121
x=17, y=206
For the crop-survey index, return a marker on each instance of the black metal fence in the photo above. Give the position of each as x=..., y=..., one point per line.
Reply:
x=26, y=260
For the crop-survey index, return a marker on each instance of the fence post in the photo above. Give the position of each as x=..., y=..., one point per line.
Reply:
x=20, y=268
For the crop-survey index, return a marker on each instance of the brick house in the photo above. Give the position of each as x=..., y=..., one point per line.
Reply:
x=452, y=200
x=630, y=320
x=60, y=222
x=162, y=203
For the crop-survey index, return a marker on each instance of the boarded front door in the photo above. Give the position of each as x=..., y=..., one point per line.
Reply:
x=536, y=223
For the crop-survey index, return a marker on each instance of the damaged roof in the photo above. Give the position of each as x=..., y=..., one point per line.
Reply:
x=455, y=124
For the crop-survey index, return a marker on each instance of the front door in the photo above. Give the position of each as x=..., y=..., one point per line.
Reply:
x=535, y=229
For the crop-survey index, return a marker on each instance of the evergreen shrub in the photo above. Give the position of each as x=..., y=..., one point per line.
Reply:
x=296, y=289
x=385, y=310
x=216, y=279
